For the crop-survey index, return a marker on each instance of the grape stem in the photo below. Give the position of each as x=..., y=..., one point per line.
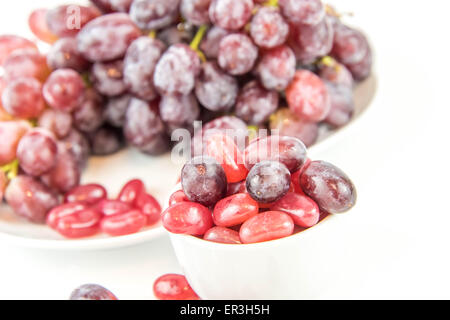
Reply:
x=197, y=40
x=152, y=34
x=271, y=3
x=11, y=169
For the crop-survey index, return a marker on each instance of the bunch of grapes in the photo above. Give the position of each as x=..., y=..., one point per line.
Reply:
x=133, y=71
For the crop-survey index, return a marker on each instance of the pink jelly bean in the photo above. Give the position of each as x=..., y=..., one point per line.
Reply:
x=124, y=223
x=187, y=218
x=269, y=225
x=302, y=209
x=222, y=235
x=235, y=210
x=88, y=193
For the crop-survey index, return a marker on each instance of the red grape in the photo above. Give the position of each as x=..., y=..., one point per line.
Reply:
x=88, y=117
x=89, y=194
x=234, y=210
x=308, y=96
x=139, y=66
x=30, y=199
x=222, y=235
x=302, y=11
x=255, y=104
x=268, y=28
x=36, y=152
x=342, y=105
x=187, y=218
x=276, y=68
x=122, y=224
x=92, y=292
x=22, y=98
x=77, y=144
x=105, y=141
x=10, y=134
x=107, y=37
x=11, y=43
x=270, y=225
x=361, y=70
x=116, y=109
x=108, y=78
x=328, y=186
x=350, y=46
x=216, y=90
x=37, y=22
x=237, y=54
x=154, y=14
x=57, y=122
x=109, y=6
x=179, y=111
x=64, y=54
x=176, y=70
x=26, y=63
x=64, y=90
x=335, y=73
x=67, y=20
x=230, y=14
x=195, y=12
x=173, y=287
x=211, y=41
x=303, y=210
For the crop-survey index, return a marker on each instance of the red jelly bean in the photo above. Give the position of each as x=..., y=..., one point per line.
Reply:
x=74, y=220
x=125, y=223
x=112, y=207
x=178, y=197
x=295, y=178
x=267, y=226
x=89, y=194
x=222, y=235
x=187, y=218
x=173, y=287
x=224, y=150
x=235, y=210
x=302, y=209
x=150, y=207
x=131, y=191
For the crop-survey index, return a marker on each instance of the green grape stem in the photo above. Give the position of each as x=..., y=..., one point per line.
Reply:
x=197, y=40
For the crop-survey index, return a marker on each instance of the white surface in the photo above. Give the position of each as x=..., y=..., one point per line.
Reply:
x=395, y=241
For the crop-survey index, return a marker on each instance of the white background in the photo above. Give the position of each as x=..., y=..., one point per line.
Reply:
x=397, y=238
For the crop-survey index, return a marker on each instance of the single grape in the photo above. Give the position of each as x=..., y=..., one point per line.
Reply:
x=176, y=34
x=276, y=68
x=222, y=235
x=342, y=105
x=308, y=96
x=11, y=43
x=122, y=224
x=64, y=90
x=335, y=73
x=57, y=122
x=154, y=14
x=30, y=199
x=178, y=111
x=10, y=134
x=211, y=41
x=176, y=70
x=78, y=145
x=115, y=110
x=22, y=98
x=255, y=104
x=67, y=20
x=64, y=54
x=196, y=12
x=204, y=180
x=92, y=292
x=37, y=21
x=237, y=54
x=107, y=37
x=303, y=210
x=131, y=192
x=329, y=187
x=268, y=28
x=108, y=6
x=65, y=175
x=350, y=46
x=235, y=210
x=287, y=123
x=214, y=89
x=144, y=128
x=36, y=152
x=268, y=181
x=27, y=63
x=230, y=14
x=88, y=117
x=89, y=194
x=139, y=66
x=362, y=70
x=270, y=225
x=302, y=11
x=108, y=78
x=173, y=287
x=287, y=150
x=187, y=218
x=106, y=141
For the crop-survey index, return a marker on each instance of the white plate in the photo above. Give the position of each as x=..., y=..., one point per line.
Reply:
x=158, y=173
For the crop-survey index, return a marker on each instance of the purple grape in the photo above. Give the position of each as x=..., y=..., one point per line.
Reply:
x=216, y=90
x=30, y=199
x=179, y=111
x=106, y=141
x=64, y=90
x=139, y=66
x=335, y=73
x=237, y=54
x=90, y=115
x=230, y=14
x=107, y=38
x=255, y=104
x=154, y=14
x=211, y=41
x=342, y=105
x=176, y=70
x=78, y=145
x=302, y=11
x=268, y=181
x=57, y=122
x=108, y=78
x=116, y=109
x=276, y=69
x=196, y=12
x=268, y=28
x=109, y=6
x=204, y=181
x=64, y=21
x=158, y=145
x=37, y=152
x=64, y=54
x=350, y=46
x=362, y=70
x=92, y=292
x=328, y=186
